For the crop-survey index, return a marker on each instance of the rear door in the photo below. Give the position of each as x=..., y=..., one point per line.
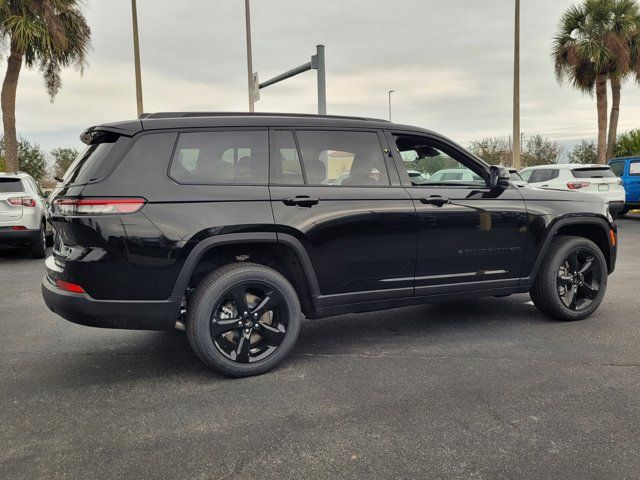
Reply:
x=10, y=187
x=544, y=177
x=632, y=181
x=333, y=191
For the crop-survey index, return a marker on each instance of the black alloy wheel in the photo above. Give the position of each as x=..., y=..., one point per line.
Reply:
x=579, y=280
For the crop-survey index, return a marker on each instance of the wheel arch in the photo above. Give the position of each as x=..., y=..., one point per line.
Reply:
x=282, y=252
x=595, y=229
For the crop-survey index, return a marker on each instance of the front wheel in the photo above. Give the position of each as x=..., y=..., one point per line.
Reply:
x=572, y=280
x=243, y=319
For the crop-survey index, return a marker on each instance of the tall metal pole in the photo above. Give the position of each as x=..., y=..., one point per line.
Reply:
x=322, y=82
x=390, y=92
x=516, y=91
x=247, y=14
x=136, y=57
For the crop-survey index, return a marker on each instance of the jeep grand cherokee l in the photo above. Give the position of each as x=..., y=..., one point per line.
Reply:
x=233, y=225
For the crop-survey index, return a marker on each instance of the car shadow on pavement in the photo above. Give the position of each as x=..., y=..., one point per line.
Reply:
x=143, y=356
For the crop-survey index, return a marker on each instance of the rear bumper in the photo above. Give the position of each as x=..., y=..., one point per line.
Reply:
x=82, y=309
x=18, y=237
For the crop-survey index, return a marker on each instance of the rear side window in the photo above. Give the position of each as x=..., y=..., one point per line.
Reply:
x=593, y=173
x=11, y=185
x=87, y=162
x=634, y=168
x=617, y=168
x=543, y=175
x=342, y=158
x=285, y=162
x=225, y=157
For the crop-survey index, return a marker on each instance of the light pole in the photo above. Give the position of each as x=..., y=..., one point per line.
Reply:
x=247, y=14
x=390, y=92
x=136, y=57
x=516, y=91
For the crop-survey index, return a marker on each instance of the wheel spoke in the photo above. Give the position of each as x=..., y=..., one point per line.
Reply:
x=573, y=261
x=569, y=298
x=242, y=349
x=269, y=302
x=590, y=291
x=218, y=326
x=565, y=278
x=239, y=294
x=272, y=335
x=587, y=266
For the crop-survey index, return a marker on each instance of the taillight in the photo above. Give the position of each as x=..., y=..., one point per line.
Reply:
x=69, y=287
x=577, y=185
x=22, y=201
x=98, y=206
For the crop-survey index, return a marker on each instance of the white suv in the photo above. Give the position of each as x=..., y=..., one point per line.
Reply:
x=597, y=179
x=22, y=213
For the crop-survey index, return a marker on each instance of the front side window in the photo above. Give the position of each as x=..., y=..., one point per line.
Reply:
x=224, y=157
x=526, y=175
x=341, y=158
x=429, y=164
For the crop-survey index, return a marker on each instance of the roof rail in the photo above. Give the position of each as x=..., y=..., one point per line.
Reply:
x=254, y=114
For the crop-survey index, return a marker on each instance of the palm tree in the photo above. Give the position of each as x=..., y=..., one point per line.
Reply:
x=49, y=34
x=593, y=46
x=628, y=144
x=624, y=43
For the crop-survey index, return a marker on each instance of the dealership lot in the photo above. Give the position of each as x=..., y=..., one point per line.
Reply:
x=486, y=388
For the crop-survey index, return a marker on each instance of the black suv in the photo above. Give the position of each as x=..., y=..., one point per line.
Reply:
x=235, y=225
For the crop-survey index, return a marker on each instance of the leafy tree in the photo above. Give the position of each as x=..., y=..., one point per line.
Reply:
x=62, y=159
x=31, y=158
x=628, y=144
x=540, y=151
x=493, y=150
x=584, y=152
x=49, y=34
x=597, y=41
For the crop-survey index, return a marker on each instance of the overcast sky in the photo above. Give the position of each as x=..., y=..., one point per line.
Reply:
x=450, y=64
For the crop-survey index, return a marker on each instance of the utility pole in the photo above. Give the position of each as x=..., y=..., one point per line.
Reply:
x=247, y=14
x=136, y=57
x=390, y=92
x=516, y=91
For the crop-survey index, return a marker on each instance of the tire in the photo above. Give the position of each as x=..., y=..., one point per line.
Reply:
x=624, y=211
x=39, y=247
x=550, y=292
x=244, y=348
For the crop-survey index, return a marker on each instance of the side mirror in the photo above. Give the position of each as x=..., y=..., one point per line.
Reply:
x=497, y=175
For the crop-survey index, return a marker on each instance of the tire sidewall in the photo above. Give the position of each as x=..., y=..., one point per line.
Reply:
x=210, y=295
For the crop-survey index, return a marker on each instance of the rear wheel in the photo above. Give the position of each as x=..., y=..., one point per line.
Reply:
x=243, y=319
x=572, y=280
x=623, y=212
x=39, y=246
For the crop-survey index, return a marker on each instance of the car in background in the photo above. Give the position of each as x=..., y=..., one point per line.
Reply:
x=596, y=179
x=628, y=170
x=418, y=178
x=454, y=175
x=22, y=213
x=515, y=177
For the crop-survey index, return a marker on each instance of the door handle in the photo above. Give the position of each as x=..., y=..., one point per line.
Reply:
x=544, y=186
x=436, y=200
x=301, y=201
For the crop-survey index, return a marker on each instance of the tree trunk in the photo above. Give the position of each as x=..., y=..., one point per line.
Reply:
x=615, y=114
x=8, y=101
x=601, y=98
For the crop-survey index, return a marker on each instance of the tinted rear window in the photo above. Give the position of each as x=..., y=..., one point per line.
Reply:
x=593, y=173
x=11, y=185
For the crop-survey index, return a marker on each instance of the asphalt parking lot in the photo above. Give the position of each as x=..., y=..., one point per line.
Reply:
x=479, y=389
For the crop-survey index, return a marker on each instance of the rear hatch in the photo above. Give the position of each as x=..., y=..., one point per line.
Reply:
x=597, y=179
x=10, y=187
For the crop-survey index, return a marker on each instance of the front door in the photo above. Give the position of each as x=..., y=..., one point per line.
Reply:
x=468, y=234
x=345, y=204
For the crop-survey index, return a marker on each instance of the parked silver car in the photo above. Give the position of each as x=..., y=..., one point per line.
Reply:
x=22, y=213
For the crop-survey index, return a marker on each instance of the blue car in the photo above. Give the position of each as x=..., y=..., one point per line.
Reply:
x=628, y=169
